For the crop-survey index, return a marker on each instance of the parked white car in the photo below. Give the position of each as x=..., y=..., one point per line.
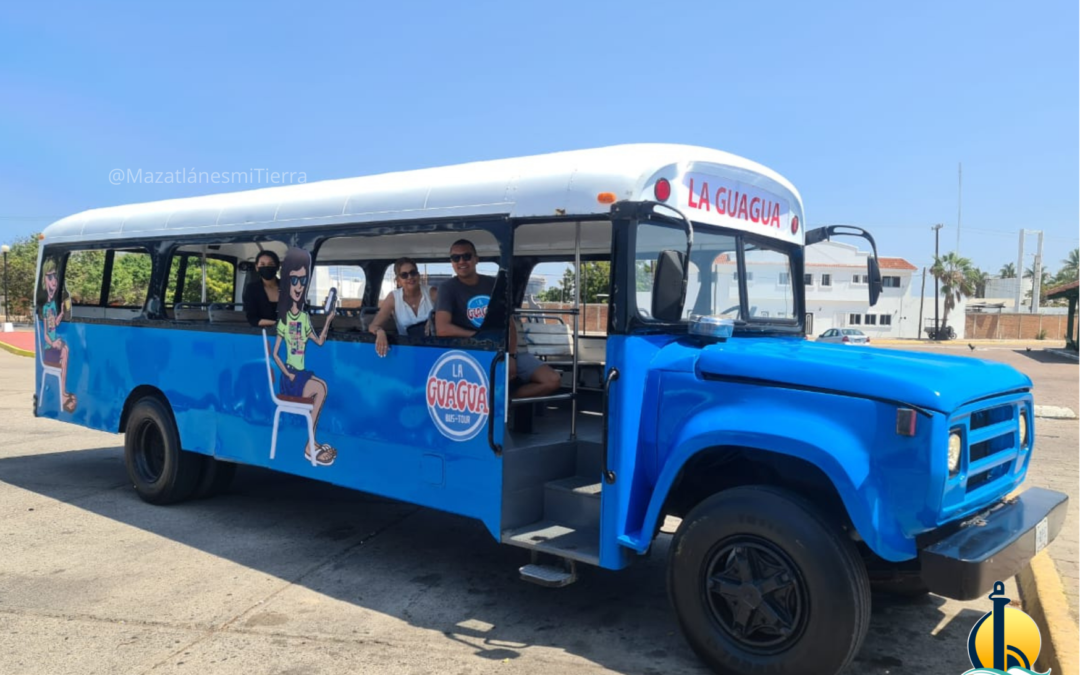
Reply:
x=845, y=335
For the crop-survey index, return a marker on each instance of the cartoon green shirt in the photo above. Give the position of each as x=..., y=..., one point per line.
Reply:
x=48, y=313
x=295, y=332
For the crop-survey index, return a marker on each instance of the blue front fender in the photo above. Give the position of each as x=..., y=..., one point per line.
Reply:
x=846, y=462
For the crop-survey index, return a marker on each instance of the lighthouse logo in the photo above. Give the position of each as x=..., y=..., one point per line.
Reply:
x=1005, y=641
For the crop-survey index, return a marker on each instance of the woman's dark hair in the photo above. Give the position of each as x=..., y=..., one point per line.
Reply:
x=269, y=254
x=295, y=259
x=400, y=262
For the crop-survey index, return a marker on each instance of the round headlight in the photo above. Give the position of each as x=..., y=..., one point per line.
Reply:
x=955, y=446
x=1023, y=429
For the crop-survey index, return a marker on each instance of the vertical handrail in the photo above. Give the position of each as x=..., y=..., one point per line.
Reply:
x=609, y=476
x=495, y=447
x=577, y=327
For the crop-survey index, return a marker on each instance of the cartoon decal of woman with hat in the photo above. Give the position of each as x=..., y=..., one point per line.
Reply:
x=56, y=350
x=294, y=327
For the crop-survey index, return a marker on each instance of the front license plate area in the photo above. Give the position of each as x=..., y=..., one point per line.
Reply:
x=1042, y=535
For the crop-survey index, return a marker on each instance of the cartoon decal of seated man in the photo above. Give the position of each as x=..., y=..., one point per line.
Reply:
x=294, y=328
x=56, y=350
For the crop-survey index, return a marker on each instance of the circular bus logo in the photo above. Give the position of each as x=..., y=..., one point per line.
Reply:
x=476, y=309
x=457, y=396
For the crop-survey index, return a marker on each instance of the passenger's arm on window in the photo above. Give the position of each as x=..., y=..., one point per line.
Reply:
x=444, y=327
x=386, y=309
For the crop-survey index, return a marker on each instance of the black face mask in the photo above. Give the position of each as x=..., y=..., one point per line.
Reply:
x=268, y=273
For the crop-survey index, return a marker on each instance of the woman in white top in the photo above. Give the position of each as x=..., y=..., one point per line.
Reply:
x=411, y=303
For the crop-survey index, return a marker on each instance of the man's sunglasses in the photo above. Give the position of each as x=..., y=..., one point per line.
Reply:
x=458, y=257
x=409, y=274
x=298, y=281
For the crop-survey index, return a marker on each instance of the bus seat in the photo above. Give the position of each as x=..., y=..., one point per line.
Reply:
x=226, y=312
x=546, y=339
x=190, y=311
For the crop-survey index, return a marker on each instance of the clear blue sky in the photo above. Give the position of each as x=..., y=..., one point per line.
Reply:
x=867, y=107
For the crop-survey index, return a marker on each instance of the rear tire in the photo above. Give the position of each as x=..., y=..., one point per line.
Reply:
x=161, y=471
x=214, y=479
x=762, y=582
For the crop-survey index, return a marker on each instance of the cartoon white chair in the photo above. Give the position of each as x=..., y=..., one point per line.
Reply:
x=47, y=369
x=289, y=405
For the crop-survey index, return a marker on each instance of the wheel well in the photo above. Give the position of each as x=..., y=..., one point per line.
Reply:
x=720, y=468
x=141, y=392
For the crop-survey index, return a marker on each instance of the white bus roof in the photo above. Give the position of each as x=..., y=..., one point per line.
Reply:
x=558, y=184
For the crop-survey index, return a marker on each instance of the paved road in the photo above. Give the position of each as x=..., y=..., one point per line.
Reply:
x=285, y=576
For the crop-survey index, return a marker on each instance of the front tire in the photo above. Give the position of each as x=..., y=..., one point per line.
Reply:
x=161, y=471
x=762, y=582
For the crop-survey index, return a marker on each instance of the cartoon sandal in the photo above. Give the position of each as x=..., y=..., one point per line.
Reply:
x=325, y=457
x=70, y=401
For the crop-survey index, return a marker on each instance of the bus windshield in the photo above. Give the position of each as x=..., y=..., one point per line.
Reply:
x=713, y=286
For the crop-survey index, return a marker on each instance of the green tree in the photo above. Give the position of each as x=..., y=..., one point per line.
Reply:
x=1069, y=271
x=21, y=266
x=981, y=279
x=1007, y=271
x=957, y=278
x=596, y=287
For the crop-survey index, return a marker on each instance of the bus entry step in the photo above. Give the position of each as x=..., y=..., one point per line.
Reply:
x=548, y=575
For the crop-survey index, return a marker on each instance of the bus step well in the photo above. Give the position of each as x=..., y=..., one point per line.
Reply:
x=571, y=525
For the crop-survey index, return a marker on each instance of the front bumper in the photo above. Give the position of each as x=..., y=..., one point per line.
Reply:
x=992, y=545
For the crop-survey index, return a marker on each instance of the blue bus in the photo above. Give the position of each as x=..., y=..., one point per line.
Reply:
x=802, y=472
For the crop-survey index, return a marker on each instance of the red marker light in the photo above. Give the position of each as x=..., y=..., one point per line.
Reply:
x=794, y=224
x=662, y=190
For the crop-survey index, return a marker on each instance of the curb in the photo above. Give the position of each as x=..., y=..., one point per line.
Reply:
x=15, y=350
x=1044, y=601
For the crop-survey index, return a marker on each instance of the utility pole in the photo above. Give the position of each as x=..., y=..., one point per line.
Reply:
x=922, y=299
x=959, y=201
x=937, y=237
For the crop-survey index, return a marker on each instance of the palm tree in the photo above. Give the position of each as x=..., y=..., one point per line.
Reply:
x=1007, y=271
x=957, y=279
x=1069, y=271
x=1044, y=282
x=980, y=279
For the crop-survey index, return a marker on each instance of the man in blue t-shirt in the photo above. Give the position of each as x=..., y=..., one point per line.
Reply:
x=460, y=311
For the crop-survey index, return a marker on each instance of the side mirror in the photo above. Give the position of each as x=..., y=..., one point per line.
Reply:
x=669, y=289
x=874, y=272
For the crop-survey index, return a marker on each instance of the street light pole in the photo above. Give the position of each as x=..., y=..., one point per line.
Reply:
x=5, y=248
x=937, y=236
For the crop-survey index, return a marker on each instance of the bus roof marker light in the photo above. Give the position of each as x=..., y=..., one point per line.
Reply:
x=606, y=198
x=794, y=224
x=662, y=190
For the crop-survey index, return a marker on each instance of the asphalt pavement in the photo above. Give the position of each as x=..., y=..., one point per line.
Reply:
x=286, y=576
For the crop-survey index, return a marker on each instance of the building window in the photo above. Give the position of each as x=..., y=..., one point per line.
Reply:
x=860, y=278
x=785, y=279
x=890, y=282
x=749, y=276
x=854, y=319
x=871, y=319
x=808, y=279
x=826, y=280
x=886, y=320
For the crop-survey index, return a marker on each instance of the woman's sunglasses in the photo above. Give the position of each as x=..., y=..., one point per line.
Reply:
x=410, y=274
x=298, y=281
x=458, y=257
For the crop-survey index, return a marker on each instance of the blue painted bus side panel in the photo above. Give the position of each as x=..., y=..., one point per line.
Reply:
x=376, y=414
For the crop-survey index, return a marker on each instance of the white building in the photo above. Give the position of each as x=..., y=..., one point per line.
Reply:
x=837, y=294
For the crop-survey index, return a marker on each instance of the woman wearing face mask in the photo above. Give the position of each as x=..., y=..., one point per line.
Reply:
x=261, y=295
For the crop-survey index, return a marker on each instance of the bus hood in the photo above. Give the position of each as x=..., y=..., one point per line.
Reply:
x=933, y=381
